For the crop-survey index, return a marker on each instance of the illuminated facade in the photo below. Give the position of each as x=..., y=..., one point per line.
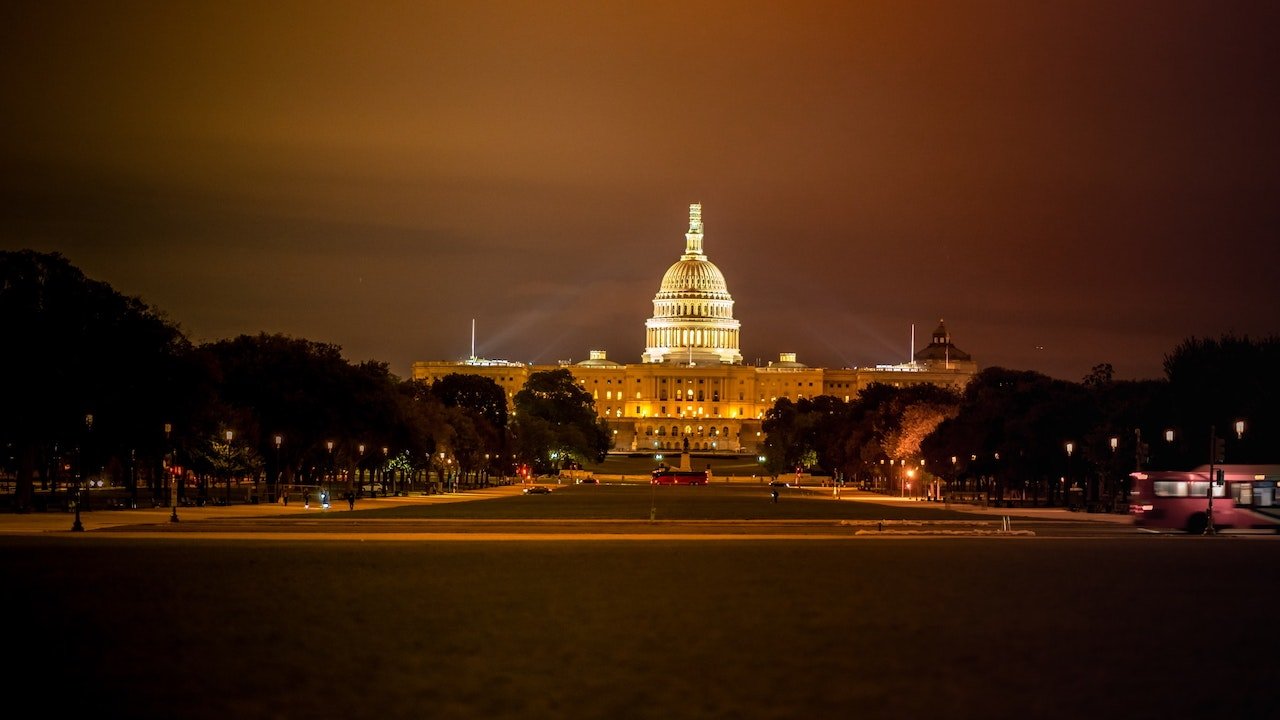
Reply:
x=693, y=311
x=691, y=384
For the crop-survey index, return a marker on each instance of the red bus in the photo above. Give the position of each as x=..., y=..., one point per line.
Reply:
x=1245, y=502
x=667, y=476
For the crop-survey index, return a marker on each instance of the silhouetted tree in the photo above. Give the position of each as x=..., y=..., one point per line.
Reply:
x=553, y=414
x=76, y=347
x=1214, y=383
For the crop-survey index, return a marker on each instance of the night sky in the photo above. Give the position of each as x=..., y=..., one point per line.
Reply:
x=1065, y=183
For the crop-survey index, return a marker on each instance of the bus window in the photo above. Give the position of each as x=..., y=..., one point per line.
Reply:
x=1264, y=494
x=1242, y=493
x=1169, y=488
x=1198, y=488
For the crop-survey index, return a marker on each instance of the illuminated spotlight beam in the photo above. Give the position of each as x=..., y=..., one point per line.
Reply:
x=864, y=339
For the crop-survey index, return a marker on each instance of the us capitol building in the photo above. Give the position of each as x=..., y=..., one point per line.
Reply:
x=691, y=382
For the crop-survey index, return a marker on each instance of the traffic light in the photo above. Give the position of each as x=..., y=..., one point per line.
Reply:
x=1219, y=450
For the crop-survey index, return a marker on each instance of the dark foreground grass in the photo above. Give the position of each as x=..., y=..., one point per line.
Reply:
x=954, y=628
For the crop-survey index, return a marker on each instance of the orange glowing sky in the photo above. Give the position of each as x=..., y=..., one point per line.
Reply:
x=1066, y=183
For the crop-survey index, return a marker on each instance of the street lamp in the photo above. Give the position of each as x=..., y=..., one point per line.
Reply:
x=230, y=435
x=1168, y=436
x=333, y=476
x=78, y=526
x=1067, y=481
x=360, y=470
x=279, y=473
x=1107, y=490
x=1217, y=454
x=384, y=474
x=173, y=479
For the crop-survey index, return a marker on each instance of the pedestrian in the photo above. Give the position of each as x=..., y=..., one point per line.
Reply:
x=351, y=500
x=774, y=493
x=285, y=497
x=306, y=500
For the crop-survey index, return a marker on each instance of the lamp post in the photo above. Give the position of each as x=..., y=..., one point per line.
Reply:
x=230, y=435
x=279, y=473
x=173, y=479
x=1115, y=445
x=82, y=494
x=1214, y=444
x=1217, y=454
x=333, y=476
x=384, y=474
x=1067, y=485
x=360, y=472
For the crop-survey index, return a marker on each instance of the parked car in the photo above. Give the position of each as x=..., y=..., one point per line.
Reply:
x=537, y=490
x=588, y=481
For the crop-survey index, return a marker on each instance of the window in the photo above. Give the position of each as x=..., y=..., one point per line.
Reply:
x=1242, y=493
x=1179, y=488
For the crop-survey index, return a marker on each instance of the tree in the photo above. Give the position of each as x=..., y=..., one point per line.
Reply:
x=478, y=412
x=306, y=392
x=477, y=393
x=553, y=414
x=75, y=347
x=1215, y=383
x=1012, y=427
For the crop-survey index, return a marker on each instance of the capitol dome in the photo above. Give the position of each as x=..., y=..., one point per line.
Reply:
x=692, y=319
x=694, y=275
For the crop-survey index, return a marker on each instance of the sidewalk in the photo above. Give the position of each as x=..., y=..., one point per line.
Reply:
x=35, y=523
x=1047, y=513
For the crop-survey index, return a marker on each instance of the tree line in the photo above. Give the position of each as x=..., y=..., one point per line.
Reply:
x=1021, y=434
x=97, y=384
